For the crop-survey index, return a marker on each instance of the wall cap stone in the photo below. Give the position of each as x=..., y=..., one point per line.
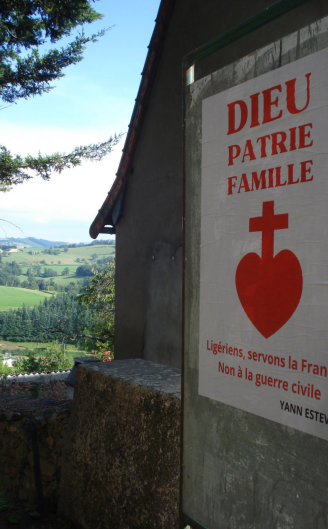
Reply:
x=143, y=373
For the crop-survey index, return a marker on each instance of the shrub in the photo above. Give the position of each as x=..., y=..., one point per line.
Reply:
x=54, y=360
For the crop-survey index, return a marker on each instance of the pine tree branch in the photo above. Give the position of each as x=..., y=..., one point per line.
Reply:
x=31, y=75
x=14, y=169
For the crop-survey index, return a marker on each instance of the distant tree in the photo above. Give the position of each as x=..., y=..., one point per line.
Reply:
x=49, y=272
x=65, y=249
x=13, y=268
x=78, y=259
x=37, y=270
x=30, y=275
x=94, y=256
x=84, y=270
x=65, y=272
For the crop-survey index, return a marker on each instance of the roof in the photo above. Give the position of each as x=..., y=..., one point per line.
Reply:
x=104, y=216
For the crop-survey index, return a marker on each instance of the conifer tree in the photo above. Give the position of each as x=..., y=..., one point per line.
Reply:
x=25, y=25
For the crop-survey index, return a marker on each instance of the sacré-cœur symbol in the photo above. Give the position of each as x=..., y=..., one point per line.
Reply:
x=269, y=288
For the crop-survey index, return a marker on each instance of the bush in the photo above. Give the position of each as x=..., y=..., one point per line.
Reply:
x=84, y=270
x=54, y=360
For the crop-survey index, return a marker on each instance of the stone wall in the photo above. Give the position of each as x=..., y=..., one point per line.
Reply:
x=31, y=436
x=55, y=389
x=121, y=455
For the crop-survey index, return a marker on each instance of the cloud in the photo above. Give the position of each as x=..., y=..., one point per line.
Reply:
x=72, y=197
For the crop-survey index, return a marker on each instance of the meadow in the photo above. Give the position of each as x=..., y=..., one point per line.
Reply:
x=71, y=259
x=41, y=348
x=54, y=266
x=66, y=258
x=13, y=298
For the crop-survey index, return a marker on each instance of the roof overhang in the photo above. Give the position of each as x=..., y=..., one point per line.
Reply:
x=104, y=221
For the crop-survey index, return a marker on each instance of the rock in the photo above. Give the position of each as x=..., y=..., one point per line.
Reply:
x=59, y=444
x=47, y=468
x=30, y=459
x=22, y=451
x=50, y=441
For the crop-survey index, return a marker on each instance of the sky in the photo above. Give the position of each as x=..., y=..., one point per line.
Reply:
x=92, y=102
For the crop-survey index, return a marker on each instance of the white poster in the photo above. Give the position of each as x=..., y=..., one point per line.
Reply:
x=264, y=246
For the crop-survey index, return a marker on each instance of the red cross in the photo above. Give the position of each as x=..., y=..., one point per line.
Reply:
x=267, y=224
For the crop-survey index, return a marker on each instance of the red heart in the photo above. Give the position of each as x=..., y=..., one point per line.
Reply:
x=269, y=290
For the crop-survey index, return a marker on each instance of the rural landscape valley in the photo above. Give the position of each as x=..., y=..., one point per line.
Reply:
x=48, y=302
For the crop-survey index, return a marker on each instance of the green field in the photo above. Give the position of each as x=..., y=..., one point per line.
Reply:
x=66, y=258
x=56, y=267
x=13, y=298
x=70, y=349
x=60, y=280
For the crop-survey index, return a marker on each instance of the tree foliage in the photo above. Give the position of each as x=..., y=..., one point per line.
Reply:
x=25, y=25
x=54, y=360
x=44, y=322
x=28, y=24
x=84, y=270
x=86, y=319
x=98, y=301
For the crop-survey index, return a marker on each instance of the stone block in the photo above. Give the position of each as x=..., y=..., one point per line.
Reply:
x=47, y=468
x=44, y=451
x=22, y=451
x=59, y=444
x=50, y=441
x=30, y=458
x=121, y=454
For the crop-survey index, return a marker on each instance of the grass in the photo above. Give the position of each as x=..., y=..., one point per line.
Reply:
x=56, y=267
x=36, y=345
x=66, y=258
x=13, y=298
x=65, y=280
x=60, y=280
x=71, y=351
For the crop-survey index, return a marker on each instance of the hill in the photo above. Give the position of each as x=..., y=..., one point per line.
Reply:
x=35, y=243
x=12, y=298
x=29, y=242
x=49, y=270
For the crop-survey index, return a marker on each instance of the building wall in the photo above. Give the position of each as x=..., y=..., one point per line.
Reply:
x=148, y=282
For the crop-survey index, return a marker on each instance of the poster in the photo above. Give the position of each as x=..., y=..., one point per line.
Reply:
x=263, y=335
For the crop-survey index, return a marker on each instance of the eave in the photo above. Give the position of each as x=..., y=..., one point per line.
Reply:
x=103, y=223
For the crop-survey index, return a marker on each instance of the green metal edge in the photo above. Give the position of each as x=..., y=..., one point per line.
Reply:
x=251, y=24
x=187, y=520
